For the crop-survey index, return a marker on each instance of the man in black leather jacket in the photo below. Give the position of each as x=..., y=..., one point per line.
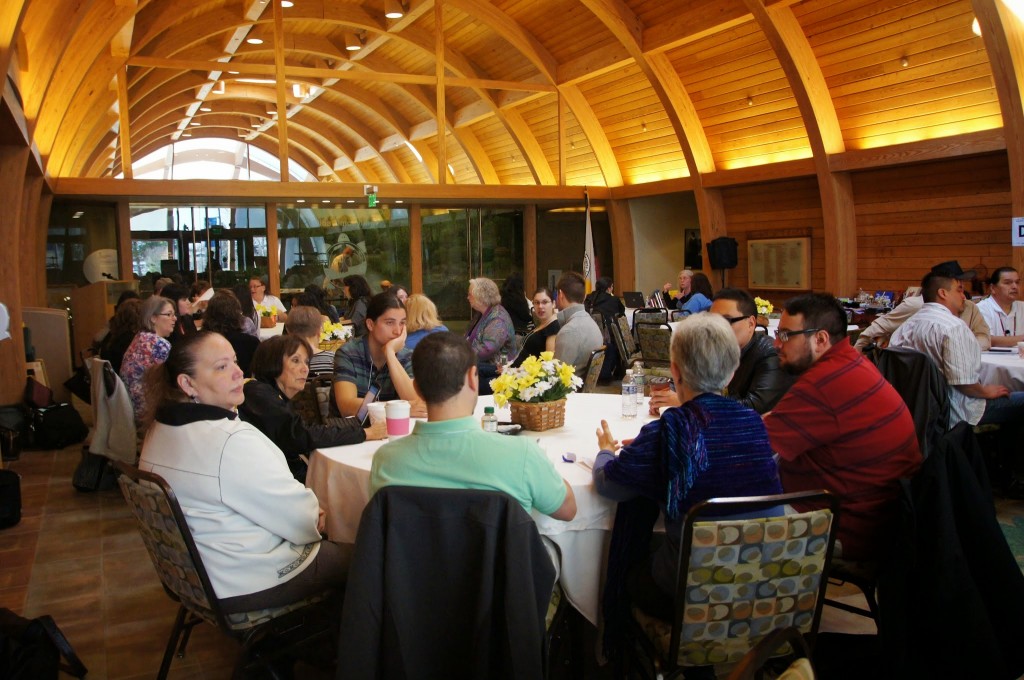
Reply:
x=759, y=382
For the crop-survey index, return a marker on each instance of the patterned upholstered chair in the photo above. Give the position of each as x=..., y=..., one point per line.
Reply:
x=655, y=343
x=624, y=340
x=313, y=402
x=740, y=579
x=593, y=370
x=650, y=315
x=770, y=646
x=180, y=568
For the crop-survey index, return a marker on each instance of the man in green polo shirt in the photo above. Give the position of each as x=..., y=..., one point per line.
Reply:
x=451, y=451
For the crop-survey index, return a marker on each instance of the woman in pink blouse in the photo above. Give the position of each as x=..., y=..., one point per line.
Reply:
x=149, y=348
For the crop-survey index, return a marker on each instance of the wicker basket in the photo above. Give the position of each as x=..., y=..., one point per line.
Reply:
x=330, y=345
x=268, y=321
x=545, y=415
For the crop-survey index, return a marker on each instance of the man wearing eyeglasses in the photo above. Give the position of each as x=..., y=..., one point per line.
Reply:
x=840, y=426
x=1002, y=310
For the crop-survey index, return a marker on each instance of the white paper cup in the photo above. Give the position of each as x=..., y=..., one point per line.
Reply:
x=1020, y=349
x=376, y=410
x=397, y=415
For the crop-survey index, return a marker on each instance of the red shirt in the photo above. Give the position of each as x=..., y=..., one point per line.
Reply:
x=842, y=427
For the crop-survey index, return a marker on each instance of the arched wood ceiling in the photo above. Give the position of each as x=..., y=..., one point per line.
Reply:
x=531, y=92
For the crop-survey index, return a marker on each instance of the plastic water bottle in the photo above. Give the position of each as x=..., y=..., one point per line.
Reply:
x=638, y=380
x=490, y=421
x=628, y=396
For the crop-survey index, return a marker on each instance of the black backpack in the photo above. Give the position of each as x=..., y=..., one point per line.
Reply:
x=31, y=649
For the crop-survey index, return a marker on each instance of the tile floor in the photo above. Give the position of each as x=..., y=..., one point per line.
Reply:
x=78, y=557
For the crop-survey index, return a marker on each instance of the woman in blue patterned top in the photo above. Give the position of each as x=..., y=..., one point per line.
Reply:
x=709, y=446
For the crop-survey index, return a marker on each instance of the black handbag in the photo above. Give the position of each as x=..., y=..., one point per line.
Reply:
x=93, y=473
x=80, y=384
x=57, y=426
x=33, y=649
x=10, y=498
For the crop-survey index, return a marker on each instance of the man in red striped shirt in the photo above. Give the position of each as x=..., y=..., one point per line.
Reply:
x=841, y=426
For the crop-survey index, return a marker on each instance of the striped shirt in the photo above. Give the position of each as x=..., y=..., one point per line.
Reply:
x=842, y=427
x=948, y=341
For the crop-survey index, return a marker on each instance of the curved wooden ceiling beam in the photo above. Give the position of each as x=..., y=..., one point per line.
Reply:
x=89, y=45
x=483, y=11
x=627, y=28
x=167, y=94
x=367, y=141
x=594, y=133
x=12, y=12
x=47, y=29
x=1003, y=33
x=783, y=32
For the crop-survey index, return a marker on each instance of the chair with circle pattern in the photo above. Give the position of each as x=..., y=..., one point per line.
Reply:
x=741, y=579
x=180, y=568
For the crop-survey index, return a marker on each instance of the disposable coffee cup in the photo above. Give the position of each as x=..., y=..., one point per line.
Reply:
x=397, y=415
x=1020, y=349
x=376, y=410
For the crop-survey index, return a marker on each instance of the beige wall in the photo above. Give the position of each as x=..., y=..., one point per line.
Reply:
x=658, y=225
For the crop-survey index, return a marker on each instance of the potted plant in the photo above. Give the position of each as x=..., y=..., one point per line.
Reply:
x=764, y=308
x=536, y=390
x=268, y=316
x=334, y=335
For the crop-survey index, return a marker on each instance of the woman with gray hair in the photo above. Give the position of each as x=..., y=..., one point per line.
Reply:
x=709, y=446
x=492, y=335
x=149, y=347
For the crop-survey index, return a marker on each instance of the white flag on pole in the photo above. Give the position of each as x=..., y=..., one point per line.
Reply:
x=589, y=261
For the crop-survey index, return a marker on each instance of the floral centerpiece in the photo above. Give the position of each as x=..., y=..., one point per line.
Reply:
x=334, y=335
x=764, y=308
x=268, y=316
x=536, y=391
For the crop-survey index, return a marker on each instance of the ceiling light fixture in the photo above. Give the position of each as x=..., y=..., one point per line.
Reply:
x=205, y=109
x=186, y=134
x=976, y=27
x=904, y=62
x=350, y=201
x=287, y=3
x=394, y=9
x=300, y=200
x=254, y=41
x=643, y=126
x=352, y=42
x=750, y=101
x=194, y=123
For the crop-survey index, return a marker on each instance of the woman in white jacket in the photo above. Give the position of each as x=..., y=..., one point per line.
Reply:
x=257, y=529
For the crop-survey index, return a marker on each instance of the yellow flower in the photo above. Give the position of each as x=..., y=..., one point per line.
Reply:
x=547, y=356
x=565, y=374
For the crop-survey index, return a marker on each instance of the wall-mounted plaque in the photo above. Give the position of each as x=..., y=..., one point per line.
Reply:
x=779, y=263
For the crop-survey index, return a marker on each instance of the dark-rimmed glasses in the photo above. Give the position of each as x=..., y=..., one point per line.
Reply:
x=734, y=319
x=784, y=336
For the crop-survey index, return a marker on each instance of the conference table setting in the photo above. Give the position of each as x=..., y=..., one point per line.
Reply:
x=339, y=476
x=1001, y=367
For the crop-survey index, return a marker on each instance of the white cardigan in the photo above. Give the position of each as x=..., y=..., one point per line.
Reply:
x=253, y=523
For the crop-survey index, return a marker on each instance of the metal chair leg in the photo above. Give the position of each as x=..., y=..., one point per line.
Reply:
x=179, y=624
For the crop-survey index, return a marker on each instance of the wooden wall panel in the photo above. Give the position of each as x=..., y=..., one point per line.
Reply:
x=775, y=210
x=913, y=217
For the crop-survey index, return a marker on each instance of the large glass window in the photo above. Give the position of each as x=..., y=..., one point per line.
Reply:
x=81, y=244
x=460, y=244
x=223, y=244
x=323, y=244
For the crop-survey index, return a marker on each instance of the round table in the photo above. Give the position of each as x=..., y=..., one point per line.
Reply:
x=267, y=333
x=340, y=478
x=1002, y=368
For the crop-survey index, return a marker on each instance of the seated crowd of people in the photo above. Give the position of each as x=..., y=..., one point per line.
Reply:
x=749, y=415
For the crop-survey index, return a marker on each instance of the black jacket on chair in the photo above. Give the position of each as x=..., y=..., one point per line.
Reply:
x=951, y=598
x=445, y=583
x=923, y=388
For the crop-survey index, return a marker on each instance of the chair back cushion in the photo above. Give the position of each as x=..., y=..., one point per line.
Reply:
x=167, y=545
x=655, y=343
x=593, y=371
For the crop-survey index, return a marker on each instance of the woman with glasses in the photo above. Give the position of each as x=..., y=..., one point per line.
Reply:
x=149, y=348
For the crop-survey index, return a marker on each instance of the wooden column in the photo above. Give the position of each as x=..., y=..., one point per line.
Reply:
x=273, y=261
x=32, y=242
x=13, y=166
x=124, y=241
x=621, y=223
x=415, y=248
x=530, y=247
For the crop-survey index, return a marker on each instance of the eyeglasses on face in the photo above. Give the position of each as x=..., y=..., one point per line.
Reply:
x=734, y=319
x=166, y=314
x=784, y=335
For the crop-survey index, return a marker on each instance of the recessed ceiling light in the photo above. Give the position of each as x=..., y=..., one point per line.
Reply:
x=207, y=109
x=300, y=200
x=195, y=123
x=234, y=73
x=187, y=134
x=350, y=201
x=976, y=27
x=254, y=41
x=325, y=200
x=399, y=201
x=287, y=3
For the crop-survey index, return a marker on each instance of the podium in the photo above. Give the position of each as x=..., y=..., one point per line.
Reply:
x=91, y=306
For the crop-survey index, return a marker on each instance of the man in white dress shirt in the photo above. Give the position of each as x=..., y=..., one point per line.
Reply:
x=938, y=331
x=1003, y=312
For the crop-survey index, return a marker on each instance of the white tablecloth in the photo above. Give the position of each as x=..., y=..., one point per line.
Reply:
x=340, y=478
x=1002, y=368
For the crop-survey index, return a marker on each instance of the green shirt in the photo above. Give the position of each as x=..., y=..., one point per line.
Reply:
x=458, y=454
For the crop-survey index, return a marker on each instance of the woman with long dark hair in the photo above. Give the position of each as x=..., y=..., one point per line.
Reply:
x=357, y=290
